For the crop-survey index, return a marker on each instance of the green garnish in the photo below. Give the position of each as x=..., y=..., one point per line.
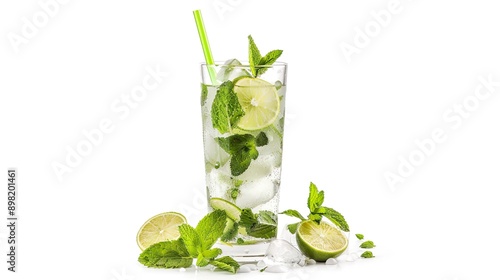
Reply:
x=243, y=149
x=367, y=245
x=367, y=255
x=360, y=236
x=317, y=211
x=226, y=109
x=262, y=225
x=167, y=254
x=256, y=59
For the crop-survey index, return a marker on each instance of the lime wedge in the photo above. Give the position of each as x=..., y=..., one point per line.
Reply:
x=162, y=227
x=320, y=242
x=232, y=211
x=260, y=102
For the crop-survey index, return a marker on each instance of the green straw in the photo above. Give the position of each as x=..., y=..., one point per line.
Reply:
x=205, y=45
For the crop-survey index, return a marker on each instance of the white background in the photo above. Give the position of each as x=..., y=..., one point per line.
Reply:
x=347, y=125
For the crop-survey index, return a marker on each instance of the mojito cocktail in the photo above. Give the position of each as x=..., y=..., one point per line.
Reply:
x=243, y=120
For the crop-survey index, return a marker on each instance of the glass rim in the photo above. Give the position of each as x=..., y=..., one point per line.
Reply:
x=244, y=65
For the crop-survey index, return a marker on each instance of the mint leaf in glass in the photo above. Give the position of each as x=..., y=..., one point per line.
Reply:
x=261, y=139
x=226, y=109
x=242, y=149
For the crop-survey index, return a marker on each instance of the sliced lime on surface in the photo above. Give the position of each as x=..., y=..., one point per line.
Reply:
x=162, y=227
x=232, y=211
x=320, y=242
x=260, y=102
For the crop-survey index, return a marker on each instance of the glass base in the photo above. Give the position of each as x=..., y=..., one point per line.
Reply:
x=250, y=253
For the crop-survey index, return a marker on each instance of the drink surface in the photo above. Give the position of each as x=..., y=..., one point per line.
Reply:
x=255, y=187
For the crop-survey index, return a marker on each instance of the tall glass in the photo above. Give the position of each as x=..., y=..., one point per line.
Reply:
x=243, y=121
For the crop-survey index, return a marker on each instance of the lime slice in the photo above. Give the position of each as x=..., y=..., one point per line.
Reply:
x=320, y=242
x=232, y=211
x=162, y=227
x=260, y=102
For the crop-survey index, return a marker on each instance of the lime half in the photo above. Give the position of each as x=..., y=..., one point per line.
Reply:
x=232, y=211
x=260, y=102
x=162, y=227
x=320, y=242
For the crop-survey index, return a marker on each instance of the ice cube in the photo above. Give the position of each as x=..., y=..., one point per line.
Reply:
x=244, y=269
x=261, y=264
x=310, y=262
x=255, y=193
x=214, y=154
x=251, y=266
x=277, y=268
x=273, y=145
x=281, y=251
x=331, y=261
x=230, y=70
x=219, y=184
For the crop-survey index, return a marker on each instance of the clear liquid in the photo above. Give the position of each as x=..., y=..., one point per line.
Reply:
x=258, y=187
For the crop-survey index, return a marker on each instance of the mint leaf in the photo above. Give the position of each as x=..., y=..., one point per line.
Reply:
x=212, y=253
x=247, y=218
x=336, y=218
x=367, y=245
x=226, y=263
x=268, y=59
x=293, y=227
x=255, y=228
x=167, y=254
x=267, y=217
x=254, y=55
x=202, y=261
x=367, y=255
x=315, y=198
x=230, y=231
x=315, y=217
x=235, y=143
x=210, y=228
x=293, y=213
x=226, y=109
x=242, y=148
x=360, y=236
x=261, y=140
x=262, y=231
x=241, y=160
x=204, y=93
x=191, y=239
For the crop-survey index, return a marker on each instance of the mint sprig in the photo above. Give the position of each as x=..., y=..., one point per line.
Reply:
x=261, y=225
x=193, y=243
x=257, y=60
x=243, y=149
x=226, y=109
x=317, y=211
